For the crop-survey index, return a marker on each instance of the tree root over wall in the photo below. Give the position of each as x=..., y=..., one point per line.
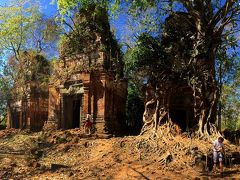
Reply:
x=174, y=149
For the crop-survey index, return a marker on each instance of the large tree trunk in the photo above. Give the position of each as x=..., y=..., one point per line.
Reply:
x=205, y=101
x=202, y=80
x=200, y=72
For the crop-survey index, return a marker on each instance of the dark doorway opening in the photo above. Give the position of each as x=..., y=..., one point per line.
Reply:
x=15, y=119
x=179, y=117
x=76, y=113
x=71, y=112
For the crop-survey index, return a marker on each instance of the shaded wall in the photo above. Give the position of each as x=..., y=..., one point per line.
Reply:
x=181, y=108
x=30, y=113
x=100, y=95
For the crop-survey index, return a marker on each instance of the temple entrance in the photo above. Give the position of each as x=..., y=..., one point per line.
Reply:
x=71, y=111
x=15, y=119
x=76, y=113
x=181, y=109
x=179, y=117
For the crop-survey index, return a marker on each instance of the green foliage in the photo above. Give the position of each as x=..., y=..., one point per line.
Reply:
x=142, y=64
x=87, y=26
x=84, y=27
x=227, y=73
x=147, y=56
x=67, y=7
x=231, y=108
x=25, y=35
x=189, y=35
x=31, y=67
x=114, y=5
x=23, y=27
x=232, y=124
x=177, y=39
x=16, y=22
x=4, y=94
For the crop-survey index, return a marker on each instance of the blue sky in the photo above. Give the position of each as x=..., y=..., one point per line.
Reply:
x=47, y=8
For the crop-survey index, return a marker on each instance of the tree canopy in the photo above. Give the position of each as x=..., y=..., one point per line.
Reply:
x=26, y=38
x=190, y=41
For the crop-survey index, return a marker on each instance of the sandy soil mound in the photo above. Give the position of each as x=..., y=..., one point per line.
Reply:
x=73, y=155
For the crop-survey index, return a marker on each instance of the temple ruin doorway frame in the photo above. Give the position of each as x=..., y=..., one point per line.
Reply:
x=181, y=109
x=71, y=110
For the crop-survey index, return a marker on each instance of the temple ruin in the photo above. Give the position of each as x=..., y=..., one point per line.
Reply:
x=87, y=79
x=28, y=106
x=29, y=113
x=95, y=93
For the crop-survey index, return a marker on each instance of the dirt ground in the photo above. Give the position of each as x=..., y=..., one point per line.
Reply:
x=73, y=155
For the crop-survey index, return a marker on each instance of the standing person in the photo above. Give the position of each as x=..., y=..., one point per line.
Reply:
x=218, y=152
x=88, y=124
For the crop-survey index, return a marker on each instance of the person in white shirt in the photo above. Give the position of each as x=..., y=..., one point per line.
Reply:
x=218, y=151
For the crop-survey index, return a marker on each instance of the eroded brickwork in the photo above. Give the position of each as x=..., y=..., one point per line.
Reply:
x=30, y=113
x=99, y=95
x=87, y=81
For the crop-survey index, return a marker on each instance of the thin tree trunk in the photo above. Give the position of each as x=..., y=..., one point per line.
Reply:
x=219, y=96
x=156, y=115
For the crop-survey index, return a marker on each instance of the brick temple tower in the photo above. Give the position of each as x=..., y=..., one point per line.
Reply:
x=88, y=77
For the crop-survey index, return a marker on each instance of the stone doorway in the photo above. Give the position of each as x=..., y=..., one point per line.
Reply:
x=15, y=119
x=72, y=107
x=180, y=117
x=181, y=109
x=76, y=113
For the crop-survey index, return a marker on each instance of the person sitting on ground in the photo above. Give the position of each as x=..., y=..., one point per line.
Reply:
x=88, y=124
x=218, y=151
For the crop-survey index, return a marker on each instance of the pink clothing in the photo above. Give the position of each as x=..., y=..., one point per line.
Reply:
x=88, y=123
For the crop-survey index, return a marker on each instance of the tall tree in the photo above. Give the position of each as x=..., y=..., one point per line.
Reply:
x=17, y=20
x=24, y=37
x=201, y=27
x=227, y=67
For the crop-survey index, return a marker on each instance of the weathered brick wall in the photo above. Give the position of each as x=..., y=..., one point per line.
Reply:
x=30, y=113
x=115, y=97
x=37, y=113
x=53, y=103
x=102, y=97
